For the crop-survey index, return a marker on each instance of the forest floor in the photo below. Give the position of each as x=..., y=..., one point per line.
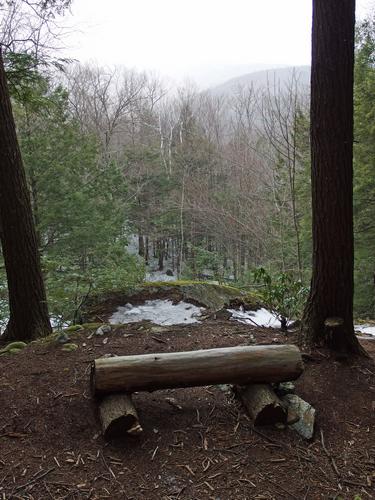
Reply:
x=51, y=445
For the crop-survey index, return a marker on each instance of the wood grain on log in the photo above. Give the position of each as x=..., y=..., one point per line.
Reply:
x=118, y=416
x=262, y=404
x=230, y=365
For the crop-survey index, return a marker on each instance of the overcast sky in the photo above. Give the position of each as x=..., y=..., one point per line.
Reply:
x=205, y=40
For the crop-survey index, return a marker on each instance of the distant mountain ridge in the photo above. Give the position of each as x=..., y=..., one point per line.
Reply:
x=262, y=79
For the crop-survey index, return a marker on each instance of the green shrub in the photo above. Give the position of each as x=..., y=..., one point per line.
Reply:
x=281, y=293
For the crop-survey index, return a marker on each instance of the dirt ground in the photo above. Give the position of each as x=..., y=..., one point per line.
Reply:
x=51, y=446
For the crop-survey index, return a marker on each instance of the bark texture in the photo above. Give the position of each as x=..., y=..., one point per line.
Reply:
x=27, y=298
x=228, y=365
x=332, y=285
x=118, y=416
x=262, y=404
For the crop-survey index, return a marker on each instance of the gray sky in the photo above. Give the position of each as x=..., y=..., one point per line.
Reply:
x=205, y=40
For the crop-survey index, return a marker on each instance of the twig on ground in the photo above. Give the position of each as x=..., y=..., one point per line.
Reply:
x=37, y=477
x=154, y=453
x=281, y=487
x=333, y=463
x=157, y=339
x=270, y=440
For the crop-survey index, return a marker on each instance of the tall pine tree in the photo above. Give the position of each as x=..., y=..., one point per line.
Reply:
x=27, y=298
x=331, y=294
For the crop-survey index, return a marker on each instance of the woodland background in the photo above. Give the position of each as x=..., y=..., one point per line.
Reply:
x=212, y=185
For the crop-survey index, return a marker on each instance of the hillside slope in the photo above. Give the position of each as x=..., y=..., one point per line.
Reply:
x=262, y=79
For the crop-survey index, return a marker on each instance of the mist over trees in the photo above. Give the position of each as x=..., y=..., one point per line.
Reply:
x=207, y=176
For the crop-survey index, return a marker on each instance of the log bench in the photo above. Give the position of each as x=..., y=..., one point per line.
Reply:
x=113, y=380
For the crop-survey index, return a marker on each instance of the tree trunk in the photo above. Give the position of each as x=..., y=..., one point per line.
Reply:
x=146, y=251
x=161, y=255
x=331, y=292
x=141, y=246
x=33, y=186
x=182, y=229
x=27, y=298
x=229, y=365
x=173, y=254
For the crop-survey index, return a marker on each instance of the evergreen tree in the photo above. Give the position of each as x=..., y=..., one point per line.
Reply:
x=78, y=198
x=364, y=174
x=27, y=298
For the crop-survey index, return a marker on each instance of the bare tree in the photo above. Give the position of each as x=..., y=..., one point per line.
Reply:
x=280, y=109
x=32, y=27
x=105, y=101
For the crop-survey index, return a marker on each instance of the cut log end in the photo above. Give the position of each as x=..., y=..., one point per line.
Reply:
x=118, y=416
x=333, y=322
x=262, y=404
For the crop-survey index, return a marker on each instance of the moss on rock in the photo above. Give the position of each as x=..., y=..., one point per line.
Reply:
x=13, y=351
x=69, y=347
x=13, y=348
x=73, y=328
x=212, y=296
x=208, y=295
x=91, y=326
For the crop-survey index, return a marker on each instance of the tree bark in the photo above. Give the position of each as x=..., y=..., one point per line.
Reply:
x=331, y=293
x=141, y=246
x=146, y=251
x=161, y=250
x=27, y=298
x=118, y=416
x=262, y=404
x=229, y=365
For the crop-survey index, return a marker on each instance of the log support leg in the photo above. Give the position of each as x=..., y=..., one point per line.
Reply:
x=118, y=416
x=262, y=404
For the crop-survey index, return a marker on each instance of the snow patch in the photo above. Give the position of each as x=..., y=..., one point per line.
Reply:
x=158, y=276
x=160, y=312
x=261, y=317
x=366, y=328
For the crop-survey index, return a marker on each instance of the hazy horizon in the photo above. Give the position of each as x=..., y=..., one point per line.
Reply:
x=207, y=42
